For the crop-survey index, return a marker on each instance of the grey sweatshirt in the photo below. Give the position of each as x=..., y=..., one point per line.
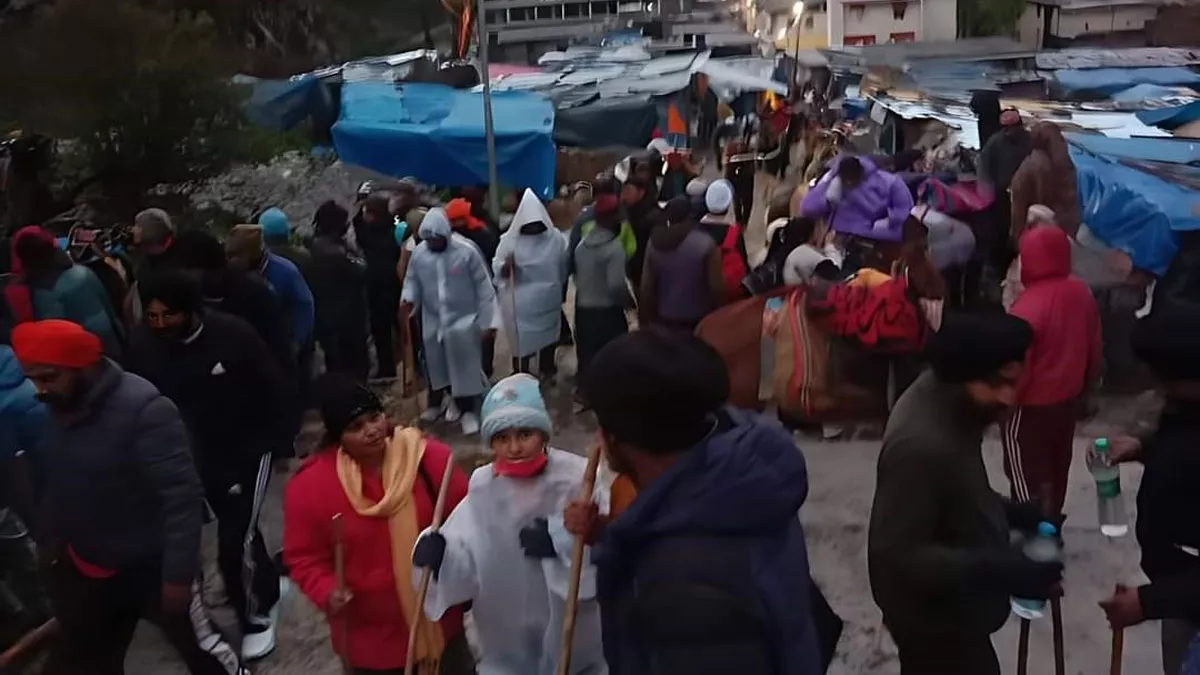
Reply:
x=600, y=271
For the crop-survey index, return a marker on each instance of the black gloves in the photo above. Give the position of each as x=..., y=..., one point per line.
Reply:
x=1020, y=576
x=535, y=540
x=429, y=552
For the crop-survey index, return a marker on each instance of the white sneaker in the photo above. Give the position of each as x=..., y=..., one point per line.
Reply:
x=470, y=424
x=258, y=645
x=453, y=414
x=433, y=412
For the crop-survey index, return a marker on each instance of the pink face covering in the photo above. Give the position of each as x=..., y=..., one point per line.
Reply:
x=526, y=469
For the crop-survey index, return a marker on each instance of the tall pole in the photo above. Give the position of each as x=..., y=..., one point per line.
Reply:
x=489, y=129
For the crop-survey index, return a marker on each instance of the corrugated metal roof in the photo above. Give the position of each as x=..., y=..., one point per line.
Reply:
x=971, y=49
x=960, y=118
x=1141, y=57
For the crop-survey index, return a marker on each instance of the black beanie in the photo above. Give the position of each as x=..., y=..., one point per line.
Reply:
x=342, y=400
x=976, y=345
x=657, y=390
x=331, y=219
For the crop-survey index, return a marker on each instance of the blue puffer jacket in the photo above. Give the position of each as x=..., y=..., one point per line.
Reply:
x=22, y=417
x=707, y=571
x=78, y=295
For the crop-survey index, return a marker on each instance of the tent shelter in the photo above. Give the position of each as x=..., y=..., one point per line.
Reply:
x=436, y=133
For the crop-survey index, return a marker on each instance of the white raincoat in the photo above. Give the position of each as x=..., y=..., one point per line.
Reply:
x=456, y=299
x=540, y=262
x=519, y=603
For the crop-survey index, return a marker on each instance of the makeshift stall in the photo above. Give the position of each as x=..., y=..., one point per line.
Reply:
x=436, y=134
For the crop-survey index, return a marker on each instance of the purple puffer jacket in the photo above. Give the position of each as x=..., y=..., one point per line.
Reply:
x=881, y=197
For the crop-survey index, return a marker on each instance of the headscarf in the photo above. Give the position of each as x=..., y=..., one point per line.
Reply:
x=55, y=342
x=460, y=209
x=157, y=228
x=1047, y=177
x=401, y=467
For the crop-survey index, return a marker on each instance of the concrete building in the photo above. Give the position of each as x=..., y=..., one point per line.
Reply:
x=849, y=23
x=1061, y=23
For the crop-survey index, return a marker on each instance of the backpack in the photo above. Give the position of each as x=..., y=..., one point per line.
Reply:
x=733, y=267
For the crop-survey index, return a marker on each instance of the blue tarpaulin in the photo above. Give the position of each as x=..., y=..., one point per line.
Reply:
x=436, y=134
x=1170, y=150
x=1133, y=211
x=1171, y=118
x=282, y=104
x=1108, y=81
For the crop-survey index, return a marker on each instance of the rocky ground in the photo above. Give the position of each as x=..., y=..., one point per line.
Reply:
x=841, y=485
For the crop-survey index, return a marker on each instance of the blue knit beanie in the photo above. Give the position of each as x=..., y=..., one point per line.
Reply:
x=514, y=403
x=275, y=224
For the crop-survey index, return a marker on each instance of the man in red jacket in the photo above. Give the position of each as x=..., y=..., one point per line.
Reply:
x=1063, y=360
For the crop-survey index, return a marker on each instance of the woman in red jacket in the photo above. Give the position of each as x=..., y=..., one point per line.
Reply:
x=383, y=482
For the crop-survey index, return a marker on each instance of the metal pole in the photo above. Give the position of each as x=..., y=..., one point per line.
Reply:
x=488, y=129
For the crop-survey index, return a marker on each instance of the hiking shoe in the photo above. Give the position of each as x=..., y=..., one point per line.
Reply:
x=261, y=643
x=470, y=424
x=433, y=412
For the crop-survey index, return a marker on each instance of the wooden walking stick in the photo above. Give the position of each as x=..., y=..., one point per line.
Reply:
x=1060, y=659
x=568, y=636
x=1118, y=652
x=408, y=384
x=339, y=575
x=29, y=642
x=414, y=621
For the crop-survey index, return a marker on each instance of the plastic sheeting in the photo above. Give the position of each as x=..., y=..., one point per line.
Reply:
x=1171, y=118
x=436, y=134
x=1168, y=150
x=1133, y=211
x=1107, y=81
x=282, y=104
x=622, y=122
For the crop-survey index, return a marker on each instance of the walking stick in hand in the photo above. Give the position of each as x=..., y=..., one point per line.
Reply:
x=339, y=575
x=1118, y=651
x=414, y=621
x=568, y=636
x=1023, y=649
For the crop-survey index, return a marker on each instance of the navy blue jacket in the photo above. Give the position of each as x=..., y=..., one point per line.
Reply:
x=707, y=571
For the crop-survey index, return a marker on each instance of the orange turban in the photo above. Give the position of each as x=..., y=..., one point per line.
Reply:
x=55, y=342
x=460, y=209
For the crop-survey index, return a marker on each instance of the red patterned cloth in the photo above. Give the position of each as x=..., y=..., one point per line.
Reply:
x=882, y=318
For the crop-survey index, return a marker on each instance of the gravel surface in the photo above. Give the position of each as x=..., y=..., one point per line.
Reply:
x=841, y=484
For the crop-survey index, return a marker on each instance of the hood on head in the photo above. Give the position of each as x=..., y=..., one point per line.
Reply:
x=743, y=481
x=530, y=210
x=435, y=224
x=1048, y=137
x=1045, y=254
x=718, y=198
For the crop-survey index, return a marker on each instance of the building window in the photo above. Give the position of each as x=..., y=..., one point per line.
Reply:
x=520, y=14
x=809, y=22
x=574, y=10
x=496, y=17
x=908, y=36
x=857, y=11
x=859, y=40
x=898, y=10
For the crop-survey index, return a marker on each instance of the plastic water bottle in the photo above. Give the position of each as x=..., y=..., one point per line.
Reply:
x=1042, y=547
x=1114, y=522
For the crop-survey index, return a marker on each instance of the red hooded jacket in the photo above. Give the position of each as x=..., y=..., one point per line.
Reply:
x=375, y=621
x=1066, y=351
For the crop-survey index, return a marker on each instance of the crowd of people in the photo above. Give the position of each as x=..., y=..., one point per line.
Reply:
x=137, y=414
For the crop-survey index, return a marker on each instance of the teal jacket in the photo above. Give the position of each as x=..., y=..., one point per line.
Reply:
x=79, y=296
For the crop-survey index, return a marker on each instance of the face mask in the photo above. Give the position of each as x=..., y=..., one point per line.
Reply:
x=526, y=469
x=533, y=228
x=438, y=244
